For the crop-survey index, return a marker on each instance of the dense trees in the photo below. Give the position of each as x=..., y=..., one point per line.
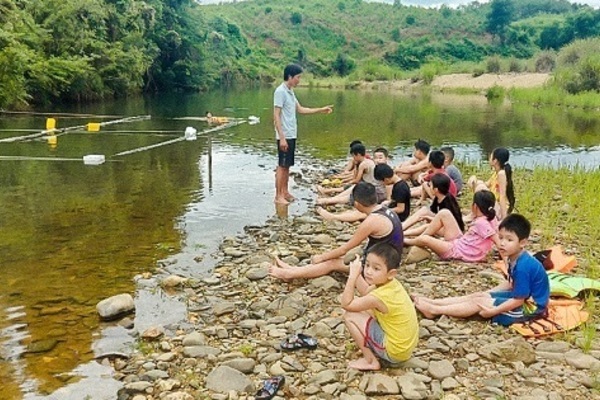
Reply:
x=88, y=49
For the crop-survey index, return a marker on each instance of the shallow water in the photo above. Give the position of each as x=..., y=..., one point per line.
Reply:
x=71, y=234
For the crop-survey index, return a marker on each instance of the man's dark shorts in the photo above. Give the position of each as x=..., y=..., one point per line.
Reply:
x=286, y=159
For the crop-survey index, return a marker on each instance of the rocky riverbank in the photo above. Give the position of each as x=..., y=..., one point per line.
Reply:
x=238, y=316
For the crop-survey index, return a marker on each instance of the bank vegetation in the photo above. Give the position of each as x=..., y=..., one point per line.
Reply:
x=74, y=50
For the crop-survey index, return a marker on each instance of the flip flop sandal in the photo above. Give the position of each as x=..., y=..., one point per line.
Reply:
x=298, y=341
x=270, y=388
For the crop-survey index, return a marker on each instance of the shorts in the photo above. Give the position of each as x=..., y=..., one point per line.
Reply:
x=513, y=316
x=286, y=158
x=374, y=338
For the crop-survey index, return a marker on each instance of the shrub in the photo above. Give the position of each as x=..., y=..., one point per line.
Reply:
x=584, y=77
x=493, y=65
x=268, y=10
x=514, y=65
x=495, y=93
x=478, y=72
x=343, y=65
x=545, y=62
x=428, y=73
x=577, y=51
x=296, y=18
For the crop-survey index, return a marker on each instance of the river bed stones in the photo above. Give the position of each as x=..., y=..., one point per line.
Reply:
x=115, y=307
x=238, y=316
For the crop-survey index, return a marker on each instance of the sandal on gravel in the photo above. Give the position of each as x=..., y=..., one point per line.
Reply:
x=298, y=341
x=270, y=388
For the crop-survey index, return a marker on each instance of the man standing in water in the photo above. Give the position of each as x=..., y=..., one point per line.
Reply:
x=286, y=128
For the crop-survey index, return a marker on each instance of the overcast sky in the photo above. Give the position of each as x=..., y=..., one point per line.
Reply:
x=426, y=3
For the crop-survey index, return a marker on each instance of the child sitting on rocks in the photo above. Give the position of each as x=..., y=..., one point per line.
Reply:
x=382, y=321
x=380, y=225
x=442, y=200
x=472, y=246
x=451, y=169
x=523, y=296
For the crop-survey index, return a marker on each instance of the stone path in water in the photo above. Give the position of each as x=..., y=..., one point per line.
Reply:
x=238, y=316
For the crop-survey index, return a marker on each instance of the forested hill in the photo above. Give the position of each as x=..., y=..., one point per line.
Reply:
x=86, y=49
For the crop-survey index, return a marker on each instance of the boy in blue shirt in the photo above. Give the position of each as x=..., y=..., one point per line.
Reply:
x=523, y=296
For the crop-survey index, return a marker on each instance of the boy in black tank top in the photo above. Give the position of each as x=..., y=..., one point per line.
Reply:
x=381, y=225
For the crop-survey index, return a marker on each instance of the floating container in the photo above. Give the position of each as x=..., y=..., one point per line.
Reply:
x=94, y=159
x=190, y=133
x=50, y=124
x=93, y=127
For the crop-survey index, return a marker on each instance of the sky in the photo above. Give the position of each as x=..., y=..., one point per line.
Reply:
x=429, y=3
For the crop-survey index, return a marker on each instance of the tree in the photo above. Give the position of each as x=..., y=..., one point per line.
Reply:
x=500, y=17
x=296, y=18
x=343, y=64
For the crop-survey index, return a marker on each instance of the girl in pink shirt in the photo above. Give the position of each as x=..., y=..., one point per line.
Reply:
x=471, y=246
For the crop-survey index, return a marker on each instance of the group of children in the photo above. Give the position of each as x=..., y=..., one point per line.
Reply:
x=382, y=319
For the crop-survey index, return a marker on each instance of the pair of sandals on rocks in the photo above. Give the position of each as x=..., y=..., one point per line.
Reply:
x=291, y=343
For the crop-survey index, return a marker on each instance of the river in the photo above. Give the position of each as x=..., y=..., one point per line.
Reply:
x=73, y=234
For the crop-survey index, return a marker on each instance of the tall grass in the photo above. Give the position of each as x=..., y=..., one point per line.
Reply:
x=553, y=95
x=562, y=205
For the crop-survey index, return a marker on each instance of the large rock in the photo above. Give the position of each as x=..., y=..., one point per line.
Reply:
x=411, y=387
x=380, y=384
x=200, y=351
x=244, y=365
x=115, y=306
x=325, y=283
x=579, y=360
x=194, y=339
x=173, y=281
x=517, y=349
x=224, y=307
x=223, y=379
x=441, y=369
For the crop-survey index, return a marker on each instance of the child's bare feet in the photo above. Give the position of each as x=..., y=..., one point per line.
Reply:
x=423, y=306
x=362, y=364
x=290, y=198
x=326, y=215
x=415, y=298
x=279, y=272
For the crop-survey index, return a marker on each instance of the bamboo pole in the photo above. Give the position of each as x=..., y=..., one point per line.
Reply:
x=72, y=128
x=25, y=158
x=179, y=139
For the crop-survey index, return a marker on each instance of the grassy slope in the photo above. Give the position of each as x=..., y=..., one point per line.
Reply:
x=361, y=30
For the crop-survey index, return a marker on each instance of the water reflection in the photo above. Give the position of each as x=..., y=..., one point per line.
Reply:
x=71, y=235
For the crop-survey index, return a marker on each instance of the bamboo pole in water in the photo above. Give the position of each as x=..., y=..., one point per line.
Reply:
x=25, y=158
x=72, y=128
x=179, y=139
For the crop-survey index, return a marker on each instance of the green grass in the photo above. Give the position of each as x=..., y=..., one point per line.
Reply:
x=563, y=208
x=555, y=96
